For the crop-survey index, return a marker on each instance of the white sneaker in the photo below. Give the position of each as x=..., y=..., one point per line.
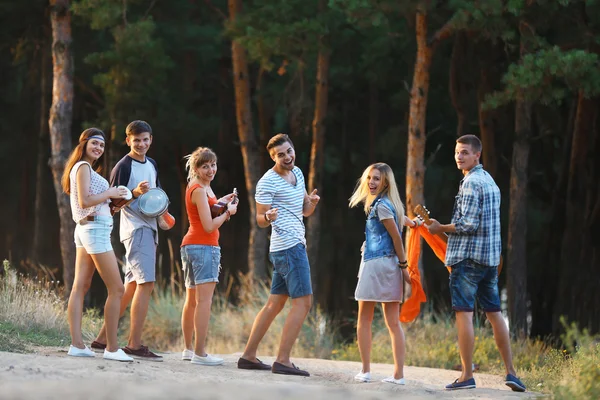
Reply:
x=363, y=377
x=77, y=352
x=208, y=360
x=391, y=379
x=118, y=355
x=187, y=355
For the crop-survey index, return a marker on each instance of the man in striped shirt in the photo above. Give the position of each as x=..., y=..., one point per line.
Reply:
x=282, y=202
x=473, y=254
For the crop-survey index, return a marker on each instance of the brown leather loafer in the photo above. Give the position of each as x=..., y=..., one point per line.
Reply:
x=245, y=364
x=279, y=368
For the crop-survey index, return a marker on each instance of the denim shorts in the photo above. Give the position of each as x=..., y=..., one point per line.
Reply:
x=291, y=272
x=201, y=264
x=468, y=280
x=94, y=236
x=140, y=256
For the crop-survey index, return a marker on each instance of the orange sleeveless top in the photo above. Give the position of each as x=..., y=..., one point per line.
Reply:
x=196, y=233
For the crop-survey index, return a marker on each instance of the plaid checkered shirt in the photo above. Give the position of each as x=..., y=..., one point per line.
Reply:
x=476, y=217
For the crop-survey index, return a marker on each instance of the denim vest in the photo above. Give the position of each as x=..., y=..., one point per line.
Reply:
x=378, y=241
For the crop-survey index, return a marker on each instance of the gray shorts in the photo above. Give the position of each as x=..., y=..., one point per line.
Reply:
x=140, y=256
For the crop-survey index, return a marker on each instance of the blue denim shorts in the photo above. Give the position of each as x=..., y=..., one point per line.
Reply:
x=201, y=264
x=468, y=280
x=291, y=272
x=94, y=236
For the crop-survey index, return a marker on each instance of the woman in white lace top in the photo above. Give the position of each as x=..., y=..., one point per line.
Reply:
x=90, y=194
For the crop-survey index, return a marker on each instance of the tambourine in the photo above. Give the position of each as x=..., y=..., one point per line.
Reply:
x=154, y=204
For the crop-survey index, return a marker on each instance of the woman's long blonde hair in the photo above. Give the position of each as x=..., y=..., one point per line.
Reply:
x=388, y=188
x=200, y=156
x=77, y=154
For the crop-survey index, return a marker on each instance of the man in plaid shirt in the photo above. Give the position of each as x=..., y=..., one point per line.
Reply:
x=473, y=254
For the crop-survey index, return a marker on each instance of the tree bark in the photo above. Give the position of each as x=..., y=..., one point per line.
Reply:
x=61, y=113
x=487, y=126
x=315, y=177
x=415, y=165
x=578, y=295
x=42, y=171
x=257, y=245
x=517, y=220
x=456, y=87
x=373, y=119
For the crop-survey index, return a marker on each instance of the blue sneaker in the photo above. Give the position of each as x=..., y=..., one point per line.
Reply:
x=514, y=383
x=468, y=384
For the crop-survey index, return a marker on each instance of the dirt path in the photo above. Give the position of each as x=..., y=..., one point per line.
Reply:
x=51, y=374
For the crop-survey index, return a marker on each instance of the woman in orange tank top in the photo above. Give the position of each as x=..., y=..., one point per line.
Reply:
x=200, y=253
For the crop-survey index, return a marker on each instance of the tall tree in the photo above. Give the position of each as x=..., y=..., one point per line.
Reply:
x=257, y=245
x=61, y=113
x=315, y=176
x=517, y=219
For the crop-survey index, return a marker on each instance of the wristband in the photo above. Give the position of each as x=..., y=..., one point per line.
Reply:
x=228, y=215
x=267, y=218
x=403, y=264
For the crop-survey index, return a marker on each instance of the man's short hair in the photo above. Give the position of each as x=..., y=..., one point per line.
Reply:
x=471, y=140
x=138, y=127
x=278, y=140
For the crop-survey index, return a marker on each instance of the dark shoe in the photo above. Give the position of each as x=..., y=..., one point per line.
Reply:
x=468, y=384
x=98, y=347
x=279, y=368
x=245, y=364
x=142, y=354
x=514, y=383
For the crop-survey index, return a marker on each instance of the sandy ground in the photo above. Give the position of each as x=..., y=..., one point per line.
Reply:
x=51, y=374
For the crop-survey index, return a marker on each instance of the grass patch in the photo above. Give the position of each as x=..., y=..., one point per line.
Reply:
x=20, y=340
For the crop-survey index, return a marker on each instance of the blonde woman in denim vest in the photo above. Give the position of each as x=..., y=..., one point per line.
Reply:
x=382, y=276
x=90, y=194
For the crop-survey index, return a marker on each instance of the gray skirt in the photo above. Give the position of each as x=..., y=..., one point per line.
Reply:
x=379, y=280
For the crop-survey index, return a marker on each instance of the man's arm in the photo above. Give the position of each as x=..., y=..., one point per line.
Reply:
x=470, y=209
x=265, y=215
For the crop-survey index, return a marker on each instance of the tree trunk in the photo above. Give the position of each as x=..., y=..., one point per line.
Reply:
x=257, y=245
x=43, y=175
x=516, y=282
x=263, y=119
x=578, y=295
x=373, y=119
x=415, y=166
x=544, y=290
x=456, y=87
x=315, y=177
x=487, y=126
x=61, y=113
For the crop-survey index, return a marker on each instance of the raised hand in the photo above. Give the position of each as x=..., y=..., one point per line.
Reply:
x=142, y=188
x=314, y=198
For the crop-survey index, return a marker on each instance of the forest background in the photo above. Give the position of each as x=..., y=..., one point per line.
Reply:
x=352, y=82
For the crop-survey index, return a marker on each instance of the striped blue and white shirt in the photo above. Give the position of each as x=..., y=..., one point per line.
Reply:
x=288, y=229
x=476, y=217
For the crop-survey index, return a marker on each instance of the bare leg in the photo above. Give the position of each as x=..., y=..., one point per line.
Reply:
x=391, y=311
x=366, y=310
x=204, y=295
x=125, y=300
x=502, y=337
x=84, y=271
x=139, y=310
x=261, y=324
x=291, y=328
x=466, y=342
x=187, y=317
x=106, y=263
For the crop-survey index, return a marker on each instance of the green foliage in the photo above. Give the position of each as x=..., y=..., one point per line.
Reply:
x=548, y=76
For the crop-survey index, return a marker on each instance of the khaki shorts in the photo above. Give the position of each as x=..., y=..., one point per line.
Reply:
x=140, y=256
